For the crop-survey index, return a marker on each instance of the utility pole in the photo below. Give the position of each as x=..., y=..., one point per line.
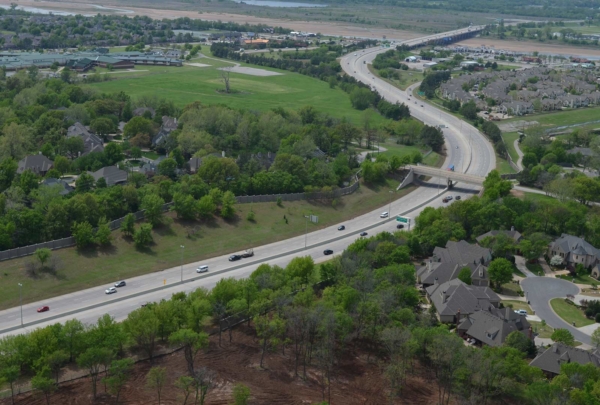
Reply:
x=21, y=301
x=306, y=230
x=182, y=248
x=390, y=207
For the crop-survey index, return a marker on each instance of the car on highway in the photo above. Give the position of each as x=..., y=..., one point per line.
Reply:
x=354, y=54
x=202, y=269
x=328, y=252
x=111, y=290
x=521, y=312
x=446, y=199
x=422, y=105
x=415, y=102
x=234, y=258
x=341, y=227
x=248, y=253
x=457, y=197
x=449, y=198
x=384, y=214
x=363, y=234
x=44, y=308
x=400, y=226
x=121, y=283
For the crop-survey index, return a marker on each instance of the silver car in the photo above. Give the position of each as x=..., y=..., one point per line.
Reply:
x=111, y=290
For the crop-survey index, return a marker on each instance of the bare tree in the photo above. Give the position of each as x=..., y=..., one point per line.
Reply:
x=225, y=76
x=203, y=381
x=396, y=341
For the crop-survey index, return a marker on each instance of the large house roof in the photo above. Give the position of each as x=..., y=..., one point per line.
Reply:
x=515, y=235
x=91, y=142
x=440, y=272
x=572, y=244
x=559, y=353
x=112, y=174
x=462, y=253
x=35, y=163
x=494, y=325
x=454, y=295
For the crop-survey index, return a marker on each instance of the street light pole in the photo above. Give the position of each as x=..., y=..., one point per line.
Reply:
x=182, y=248
x=21, y=301
x=306, y=230
x=390, y=208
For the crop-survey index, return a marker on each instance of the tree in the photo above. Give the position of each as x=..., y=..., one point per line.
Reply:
x=228, y=205
x=101, y=183
x=518, y=340
x=152, y=205
x=113, y=153
x=103, y=233
x=142, y=326
x=184, y=205
x=268, y=331
x=500, y=271
x=55, y=361
x=43, y=384
x=156, y=379
x=206, y=207
x=596, y=338
x=84, y=183
x=465, y=275
x=225, y=78
x=143, y=236
x=186, y=384
x=556, y=261
x=72, y=334
x=103, y=126
x=42, y=254
x=563, y=336
x=191, y=342
x=119, y=374
x=203, y=381
x=534, y=246
x=10, y=374
x=432, y=137
x=138, y=125
x=83, y=234
x=361, y=98
x=241, y=394
x=91, y=360
x=529, y=160
x=16, y=141
x=127, y=112
x=28, y=181
x=168, y=167
x=469, y=110
x=128, y=225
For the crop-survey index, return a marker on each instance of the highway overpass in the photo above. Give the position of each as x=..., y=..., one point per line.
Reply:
x=445, y=38
x=448, y=175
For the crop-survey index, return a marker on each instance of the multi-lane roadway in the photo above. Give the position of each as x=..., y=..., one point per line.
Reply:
x=467, y=150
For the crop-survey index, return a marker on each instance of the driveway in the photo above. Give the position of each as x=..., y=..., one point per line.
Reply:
x=540, y=290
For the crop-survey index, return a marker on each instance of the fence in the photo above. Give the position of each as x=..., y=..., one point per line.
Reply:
x=116, y=224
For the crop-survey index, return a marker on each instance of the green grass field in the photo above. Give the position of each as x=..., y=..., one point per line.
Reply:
x=569, y=313
x=509, y=140
x=122, y=260
x=187, y=84
x=503, y=166
x=566, y=117
x=543, y=331
x=584, y=279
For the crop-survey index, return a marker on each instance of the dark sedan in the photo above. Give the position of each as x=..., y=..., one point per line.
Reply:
x=328, y=252
x=363, y=234
x=341, y=228
x=234, y=258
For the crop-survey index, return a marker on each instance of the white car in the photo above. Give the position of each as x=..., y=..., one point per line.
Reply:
x=202, y=269
x=521, y=312
x=384, y=215
x=111, y=290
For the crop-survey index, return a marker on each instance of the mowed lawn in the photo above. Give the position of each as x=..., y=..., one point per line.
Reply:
x=570, y=313
x=187, y=84
x=202, y=240
x=566, y=117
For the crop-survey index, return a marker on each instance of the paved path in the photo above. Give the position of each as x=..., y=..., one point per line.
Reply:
x=521, y=265
x=361, y=156
x=519, y=162
x=540, y=290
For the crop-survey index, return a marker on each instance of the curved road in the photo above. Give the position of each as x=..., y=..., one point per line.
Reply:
x=467, y=150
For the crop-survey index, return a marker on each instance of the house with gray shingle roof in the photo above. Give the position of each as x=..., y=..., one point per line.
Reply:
x=91, y=142
x=455, y=297
x=462, y=253
x=491, y=327
x=65, y=188
x=514, y=235
x=574, y=250
x=558, y=354
x=441, y=272
x=168, y=125
x=112, y=174
x=39, y=164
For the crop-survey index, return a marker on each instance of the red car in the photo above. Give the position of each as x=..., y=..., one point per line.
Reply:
x=44, y=308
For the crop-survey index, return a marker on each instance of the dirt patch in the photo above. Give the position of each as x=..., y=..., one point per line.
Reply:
x=517, y=46
x=328, y=28
x=515, y=126
x=197, y=64
x=356, y=381
x=517, y=193
x=250, y=71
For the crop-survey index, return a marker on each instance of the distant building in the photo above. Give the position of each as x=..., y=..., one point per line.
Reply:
x=91, y=142
x=491, y=327
x=169, y=125
x=574, y=251
x=112, y=174
x=52, y=182
x=512, y=234
x=455, y=299
x=39, y=164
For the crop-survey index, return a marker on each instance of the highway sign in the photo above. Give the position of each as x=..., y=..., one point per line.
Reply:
x=402, y=219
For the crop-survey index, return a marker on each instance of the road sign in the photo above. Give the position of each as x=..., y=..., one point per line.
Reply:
x=402, y=219
x=314, y=219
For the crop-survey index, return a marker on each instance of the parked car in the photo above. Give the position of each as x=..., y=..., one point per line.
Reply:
x=399, y=226
x=384, y=214
x=341, y=228
x=457, y=197
x=233, y=258
x=44, y=308
x=111, y=290
x=449, y=198
x=202, y=269
x=328, y=252
x=446, y=199
x=121, y=283
x=363, y=234
x=521, y=312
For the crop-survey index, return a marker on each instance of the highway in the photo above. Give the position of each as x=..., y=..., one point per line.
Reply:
x=467, y=150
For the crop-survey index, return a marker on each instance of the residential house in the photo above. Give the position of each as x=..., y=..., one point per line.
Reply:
x=65, y=188
x=491, y=327
x=558, y=354
x=138, y=112
x=91, y=142
x=587, y=152
x=440, y=272
x=574, y=250
x=514, y=235
x=112, y=174
x=454, y=298
x=517, y=108
x=168, y=125
x=39, y=164
x=463, y=253
x=196, y=162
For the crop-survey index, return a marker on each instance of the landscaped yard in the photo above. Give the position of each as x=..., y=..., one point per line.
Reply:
x=566, y=117
x=511, y=289
x=570, y=313
x=202, y=240
x=543, y=331
x=503, y=166
x=509, y=140
x=585, y=279
x=516, y=305
x=535, y=268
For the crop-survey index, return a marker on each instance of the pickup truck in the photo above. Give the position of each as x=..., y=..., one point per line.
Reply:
x=248, y=253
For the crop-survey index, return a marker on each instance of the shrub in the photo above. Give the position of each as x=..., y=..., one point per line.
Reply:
x=279, y=202
x=251, y=216
x=597, y=318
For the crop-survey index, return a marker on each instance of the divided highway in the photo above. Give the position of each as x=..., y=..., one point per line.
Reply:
x=467, y=150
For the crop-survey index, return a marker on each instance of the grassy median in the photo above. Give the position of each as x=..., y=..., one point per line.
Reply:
x=570, y=313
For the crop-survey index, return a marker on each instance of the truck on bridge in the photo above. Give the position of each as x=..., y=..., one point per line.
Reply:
x=451, y=168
